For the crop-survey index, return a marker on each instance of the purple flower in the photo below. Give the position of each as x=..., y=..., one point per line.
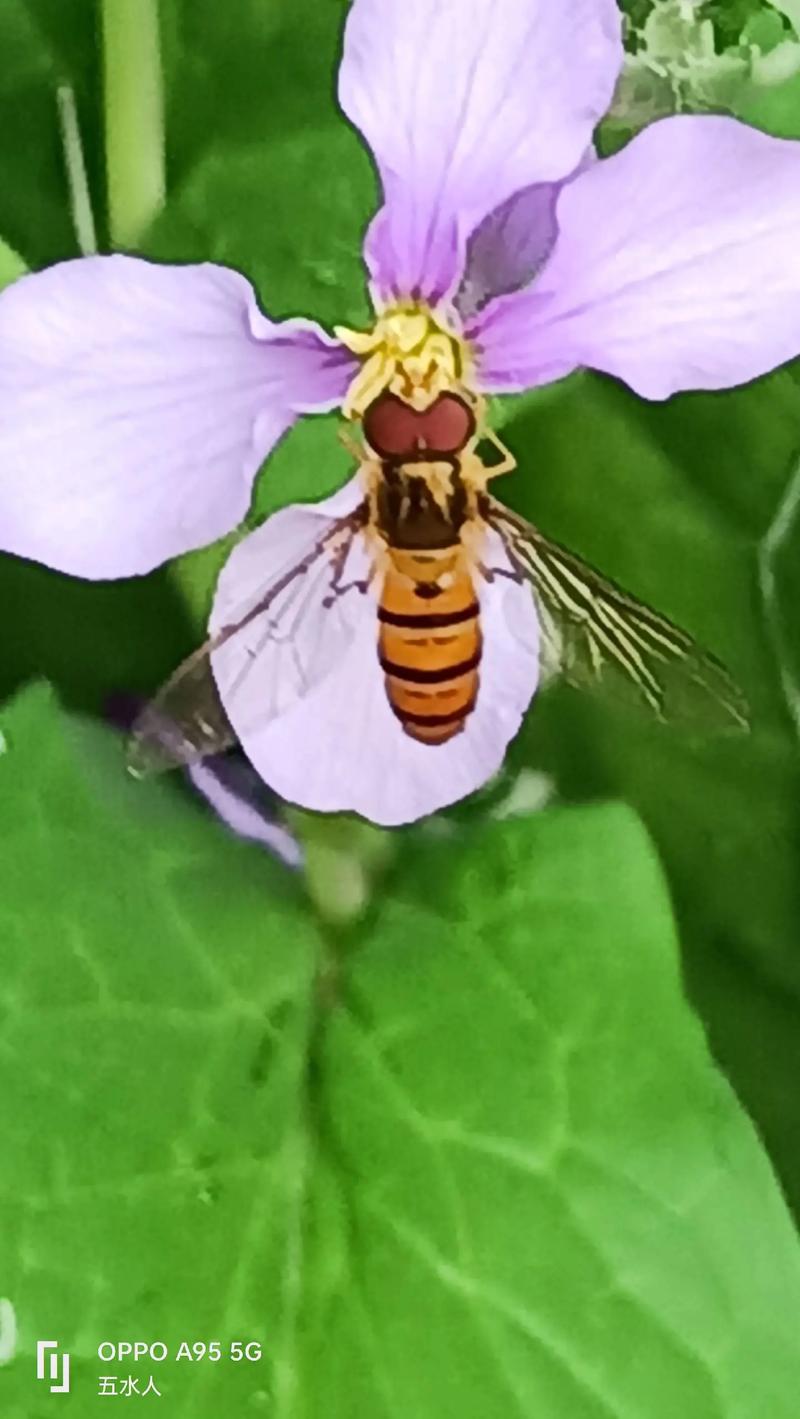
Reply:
x=138, y=401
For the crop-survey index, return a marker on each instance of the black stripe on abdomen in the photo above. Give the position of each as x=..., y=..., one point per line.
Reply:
x=437, y=721
x=412, y=675
x=428, y=620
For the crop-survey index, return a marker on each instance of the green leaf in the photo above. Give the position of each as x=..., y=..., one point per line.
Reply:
x=155, y=1000
x=92, y=639
x=774, y=109
x=492, y=1169
x=765, y=30
x=11, y=265
x=540, y=1172
x=247, y=74
x=731, y=17
x=678, y=502
x=290, y=214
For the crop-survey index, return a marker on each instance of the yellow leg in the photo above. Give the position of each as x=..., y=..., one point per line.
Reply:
x=508, y=462
x=356, y=450
x=476, y=473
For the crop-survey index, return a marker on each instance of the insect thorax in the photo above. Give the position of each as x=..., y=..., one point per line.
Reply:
x=421, y=505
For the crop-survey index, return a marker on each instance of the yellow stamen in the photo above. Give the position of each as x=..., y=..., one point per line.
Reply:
x=407, y=352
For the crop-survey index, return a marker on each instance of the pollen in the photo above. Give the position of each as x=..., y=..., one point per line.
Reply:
x=408, y=352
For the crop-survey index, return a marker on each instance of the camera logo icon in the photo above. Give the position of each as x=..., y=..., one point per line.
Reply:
x=52, y=1364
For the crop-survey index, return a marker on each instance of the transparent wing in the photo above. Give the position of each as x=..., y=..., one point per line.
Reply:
x=283, y=639
x=599, y=637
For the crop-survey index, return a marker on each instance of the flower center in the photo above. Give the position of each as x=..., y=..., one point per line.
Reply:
x=407, y=352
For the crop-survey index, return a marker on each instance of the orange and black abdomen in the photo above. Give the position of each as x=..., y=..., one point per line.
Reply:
x=430, y=650
x=429, y=641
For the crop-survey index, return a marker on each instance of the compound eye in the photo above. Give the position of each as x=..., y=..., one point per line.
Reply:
x=395, y=430
x=448, y=425
x=391, y=427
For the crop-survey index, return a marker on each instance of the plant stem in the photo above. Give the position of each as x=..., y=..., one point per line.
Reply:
x=80, y=201
x=343, y=857
x=134, y=117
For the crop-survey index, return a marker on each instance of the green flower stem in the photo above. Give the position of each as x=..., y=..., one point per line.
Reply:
x=343, y=858
x=134, y=117
x=80, y=200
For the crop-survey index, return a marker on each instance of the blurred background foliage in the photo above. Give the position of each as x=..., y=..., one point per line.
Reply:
x=692, y=504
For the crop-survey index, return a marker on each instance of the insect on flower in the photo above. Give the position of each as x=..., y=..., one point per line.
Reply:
x=424, y=543
x=377, y=651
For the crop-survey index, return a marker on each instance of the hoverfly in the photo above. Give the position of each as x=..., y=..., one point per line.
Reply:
x=405, y=558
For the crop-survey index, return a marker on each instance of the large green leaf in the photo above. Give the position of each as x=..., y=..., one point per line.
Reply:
x=290, y=214
x=155, y=1011
x=489, y=1168
x=775, y=109
x=689, y=504
x=246, y=74
x=91, y=638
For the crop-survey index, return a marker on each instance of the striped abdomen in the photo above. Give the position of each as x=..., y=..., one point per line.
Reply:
x=429, y=643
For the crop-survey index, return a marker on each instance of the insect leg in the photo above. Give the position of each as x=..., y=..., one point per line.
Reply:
x=508, y=462
x=356, y=450
x=337, y=587
x=512, y=573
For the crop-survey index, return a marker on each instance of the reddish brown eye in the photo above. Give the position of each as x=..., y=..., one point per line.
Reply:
x=395, y=430
x=448, y=425
x=391, y=427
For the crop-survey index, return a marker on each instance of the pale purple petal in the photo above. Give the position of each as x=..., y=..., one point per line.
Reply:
x=463, y=103
x=509, y=248
x=677, y=266
x=512, y=244
x=137, y=402
x=338, y=747
x=277, y=657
